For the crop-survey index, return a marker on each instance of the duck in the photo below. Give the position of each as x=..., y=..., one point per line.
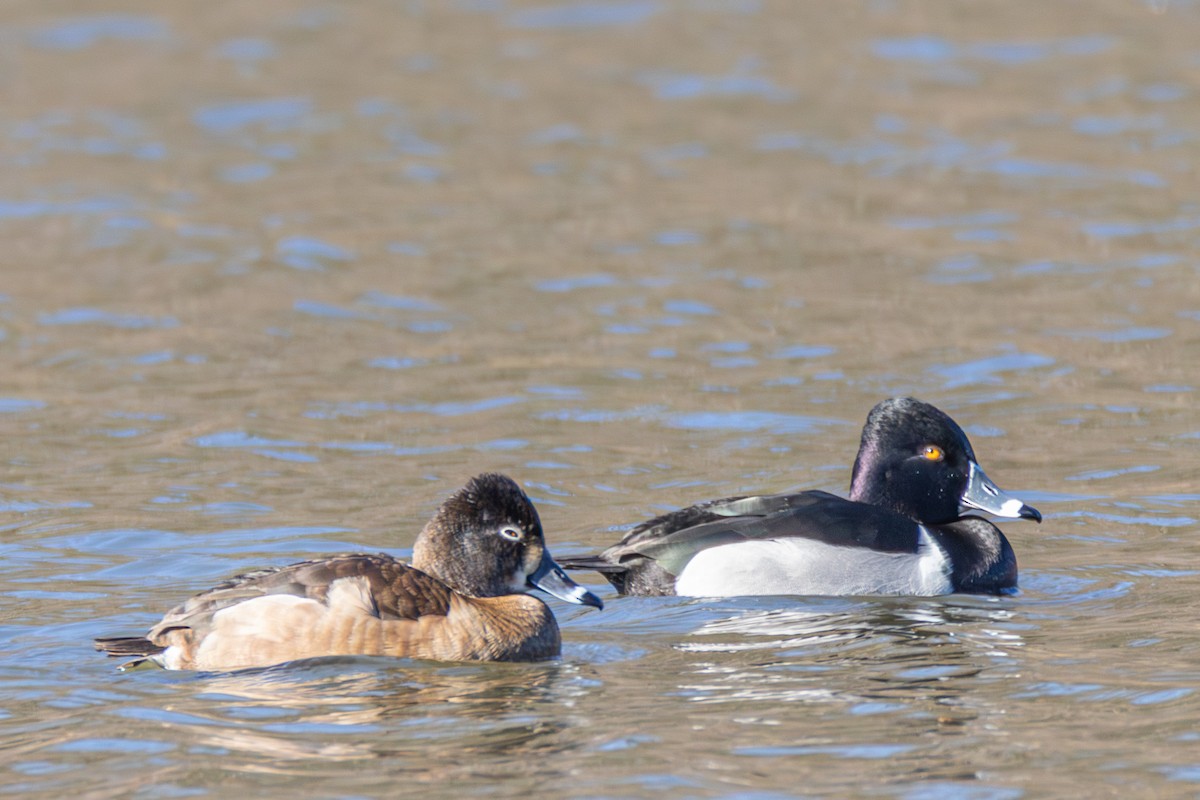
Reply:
x=905, y=529
x=462, y=598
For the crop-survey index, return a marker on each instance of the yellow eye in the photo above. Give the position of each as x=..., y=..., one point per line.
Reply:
x=933, y=452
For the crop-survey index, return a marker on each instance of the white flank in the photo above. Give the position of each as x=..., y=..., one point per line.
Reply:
x=802, y=566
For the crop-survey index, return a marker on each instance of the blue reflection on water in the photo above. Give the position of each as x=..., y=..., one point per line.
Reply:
x=804, y=351
x=327, y=310
x=986, y=370
x=693, y=307
x=840, y=751
x=241, y=439
x=246, y=49
x=406, y=248
x=1130, y=334
x=445, y=409
x=572, y=283
x=14, y=405
x=305, y=253
x=278, y=113
x=733, y=362
x=248, y=173
x=687, y=86
x=401, y=302
x=942, y=150
x=960, y=269
x=410, y=143
x=585, y=14
x=1115, y=230
x=296, y=451
x=82, y=32
x=1163, y=92
x=397, y=362
x=726, y=347
x=1102, y=474
x=936, y=50
x=556, y=134
x=1096, y=125
x=98, y=316
x=28, y=209
x=745, y=421
x=985, y=218
x=1030, y=168
x=555, y=391
x=674, y=238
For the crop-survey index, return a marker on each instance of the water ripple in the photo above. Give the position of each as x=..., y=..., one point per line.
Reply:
x=620, y=13
x=97, y=316
x=986, y=370
x=935, y=49
x=749, y=421
x=82, y=32
x=275, y=114
x=305, y=253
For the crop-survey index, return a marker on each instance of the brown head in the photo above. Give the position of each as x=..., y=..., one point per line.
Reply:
x=486, y=541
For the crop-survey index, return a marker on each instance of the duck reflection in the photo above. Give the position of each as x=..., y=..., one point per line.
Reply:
x=876, y=656
x=975, y=621
x=326, y=709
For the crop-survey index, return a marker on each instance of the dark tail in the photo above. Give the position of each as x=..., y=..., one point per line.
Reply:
x=594, y=563
x=139, y=647
x=125, y=646
x=616, y=574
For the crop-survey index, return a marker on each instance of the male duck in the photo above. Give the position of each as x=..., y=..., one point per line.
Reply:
x=901, y=532
x=462, y=598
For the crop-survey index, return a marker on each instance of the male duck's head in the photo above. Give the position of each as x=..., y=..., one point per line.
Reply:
x=486, y=541
x=918, y=462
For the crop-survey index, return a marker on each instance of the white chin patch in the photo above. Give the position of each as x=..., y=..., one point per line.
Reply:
x=519, y=581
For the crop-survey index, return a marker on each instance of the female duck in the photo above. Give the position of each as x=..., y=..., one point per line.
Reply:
x=462, y=598
x=902, y=532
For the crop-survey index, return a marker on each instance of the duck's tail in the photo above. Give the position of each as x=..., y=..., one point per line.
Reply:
x=615, y=574
x=594, y=563
x=139, y=647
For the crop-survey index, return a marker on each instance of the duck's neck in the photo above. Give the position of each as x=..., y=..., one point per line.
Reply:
x=982, y=560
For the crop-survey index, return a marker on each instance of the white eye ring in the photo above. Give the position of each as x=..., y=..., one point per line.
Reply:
x=510, y=533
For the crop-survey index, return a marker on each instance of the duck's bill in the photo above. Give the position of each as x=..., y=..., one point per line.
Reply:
x=984, y=495
x=551, y=579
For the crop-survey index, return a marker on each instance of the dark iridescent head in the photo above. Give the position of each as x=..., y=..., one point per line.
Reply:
x=486, y=541
x=918, y=462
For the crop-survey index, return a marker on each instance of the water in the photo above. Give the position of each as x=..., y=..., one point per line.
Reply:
x=278, y=277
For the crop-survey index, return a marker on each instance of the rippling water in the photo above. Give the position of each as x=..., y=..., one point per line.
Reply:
x=279, y=276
